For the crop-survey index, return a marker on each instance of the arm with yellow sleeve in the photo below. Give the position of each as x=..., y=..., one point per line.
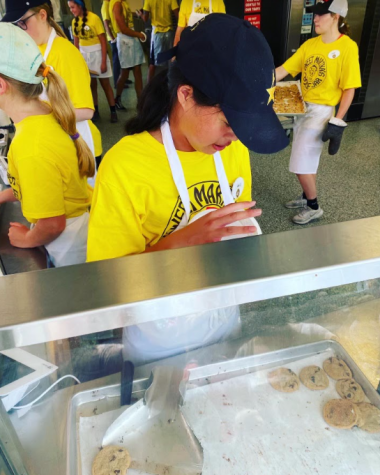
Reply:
x=349, y=81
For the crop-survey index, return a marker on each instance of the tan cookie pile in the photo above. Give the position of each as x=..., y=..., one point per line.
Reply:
x=111, y=460
x=288, y=100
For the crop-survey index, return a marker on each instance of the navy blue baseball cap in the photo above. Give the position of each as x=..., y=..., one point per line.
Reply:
x=16, y=9
x=230, y=61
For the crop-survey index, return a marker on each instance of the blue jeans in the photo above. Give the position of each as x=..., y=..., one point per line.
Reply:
x=115, y=62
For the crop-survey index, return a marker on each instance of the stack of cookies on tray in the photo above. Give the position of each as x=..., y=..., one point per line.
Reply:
x=343, y=413
x=288, y=100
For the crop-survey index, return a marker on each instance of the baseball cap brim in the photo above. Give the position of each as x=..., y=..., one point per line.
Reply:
x=319, y=8
x=14, y=16
x=260, y=132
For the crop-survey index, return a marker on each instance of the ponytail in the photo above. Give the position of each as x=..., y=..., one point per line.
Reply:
x=344, y=27
x=64, y=114
x=50, y=18
x=158, y=99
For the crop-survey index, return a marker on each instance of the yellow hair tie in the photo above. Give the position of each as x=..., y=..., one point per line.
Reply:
x=46, y=71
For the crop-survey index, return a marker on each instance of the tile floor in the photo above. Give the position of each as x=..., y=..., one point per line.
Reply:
x=348, y=183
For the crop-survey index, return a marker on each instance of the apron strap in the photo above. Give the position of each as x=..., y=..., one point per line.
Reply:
x=52, y=37
x=210, y=6
x=223, y=180
x=176, y=167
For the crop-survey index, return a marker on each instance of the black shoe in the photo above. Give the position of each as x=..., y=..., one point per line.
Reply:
x=119, y=104
x=114, y=118
x=95, y=117
x=128, y=81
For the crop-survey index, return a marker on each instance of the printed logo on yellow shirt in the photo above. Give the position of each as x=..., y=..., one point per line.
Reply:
x=88, y=33
x=16, y=189
x=314, y=71
x=206, y=194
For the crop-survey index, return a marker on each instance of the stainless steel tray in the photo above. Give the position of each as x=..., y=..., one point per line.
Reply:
x=277, y=433
x=89, y=403
x=289, y=114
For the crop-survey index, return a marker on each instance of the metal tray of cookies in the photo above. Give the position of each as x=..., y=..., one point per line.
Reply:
x=292, y=114
x=276, y=433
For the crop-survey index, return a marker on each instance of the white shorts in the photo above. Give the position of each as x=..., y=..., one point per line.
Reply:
x=94, y=63
x=130, y=51
x=307, y=138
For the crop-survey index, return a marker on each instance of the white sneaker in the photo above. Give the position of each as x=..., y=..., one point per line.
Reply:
x=298, y=202
x=307, y=215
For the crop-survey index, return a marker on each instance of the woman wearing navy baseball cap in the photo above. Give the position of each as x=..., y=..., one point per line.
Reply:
x=329, y=64
x=182, y=175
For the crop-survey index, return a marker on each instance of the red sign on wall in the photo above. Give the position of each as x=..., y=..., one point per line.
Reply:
x=252, y=6
x=254, y=20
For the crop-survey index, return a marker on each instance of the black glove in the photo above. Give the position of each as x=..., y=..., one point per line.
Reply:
x=334, y=133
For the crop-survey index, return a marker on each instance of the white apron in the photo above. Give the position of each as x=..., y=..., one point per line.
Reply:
x=83, y=127
x=71, y=246
x=93, y=57
x=164, y=338
x=195, y=17
x=307, y=139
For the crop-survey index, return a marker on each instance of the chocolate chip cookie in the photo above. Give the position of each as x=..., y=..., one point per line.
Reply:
x=340, y=413
x=313, y=377
x=350, y=389
x=111, y=460
x=284, y=380
x=369, y=417
x=337, y=368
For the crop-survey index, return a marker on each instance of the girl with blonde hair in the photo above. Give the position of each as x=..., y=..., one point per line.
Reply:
x=49, y=161
x=36, y=18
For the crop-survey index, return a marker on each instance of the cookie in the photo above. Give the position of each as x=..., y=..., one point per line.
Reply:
x=284, y=380
x=369, y=417
x=337, y=368
x=313, y=377
x=340, y=413
x=111, y=460
x=350, y=389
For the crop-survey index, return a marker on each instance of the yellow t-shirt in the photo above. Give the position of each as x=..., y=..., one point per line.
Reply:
x=127, y=13
x=105, y=11
x=43, y=171
x=327, y=69
x=92, y=29
x=161, y=13
x=68, y=62
x=136, y=202
x=202, y=6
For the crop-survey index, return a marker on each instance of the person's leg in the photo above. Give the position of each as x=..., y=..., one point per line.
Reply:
x=309, y=185
x=106, y=85
x=115, y=63
x=138, y=80
x=94, y=91
x=151, y=71
x=119, y=88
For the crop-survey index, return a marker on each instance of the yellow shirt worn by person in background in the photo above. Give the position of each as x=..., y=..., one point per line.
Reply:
x=203, y=6
x=136, y=202
x=93, y=28
x=43, y=171
x=127, y=13
x=68, y=62
x=161, y=13
x=105, y=11
x=327, y=69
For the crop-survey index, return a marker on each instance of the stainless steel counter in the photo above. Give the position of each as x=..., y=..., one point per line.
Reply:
x=83, y=299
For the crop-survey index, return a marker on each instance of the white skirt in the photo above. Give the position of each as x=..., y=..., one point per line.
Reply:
x=93, y=57
x=307, y=138
x=130, y=51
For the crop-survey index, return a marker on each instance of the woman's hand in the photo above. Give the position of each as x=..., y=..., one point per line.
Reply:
x=18, y=235
x=211, y=227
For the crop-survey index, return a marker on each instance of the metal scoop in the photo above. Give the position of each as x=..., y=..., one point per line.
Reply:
x=155, y=432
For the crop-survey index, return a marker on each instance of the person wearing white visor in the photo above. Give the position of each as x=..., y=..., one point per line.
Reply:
x=48, y=160
x=329, y=64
